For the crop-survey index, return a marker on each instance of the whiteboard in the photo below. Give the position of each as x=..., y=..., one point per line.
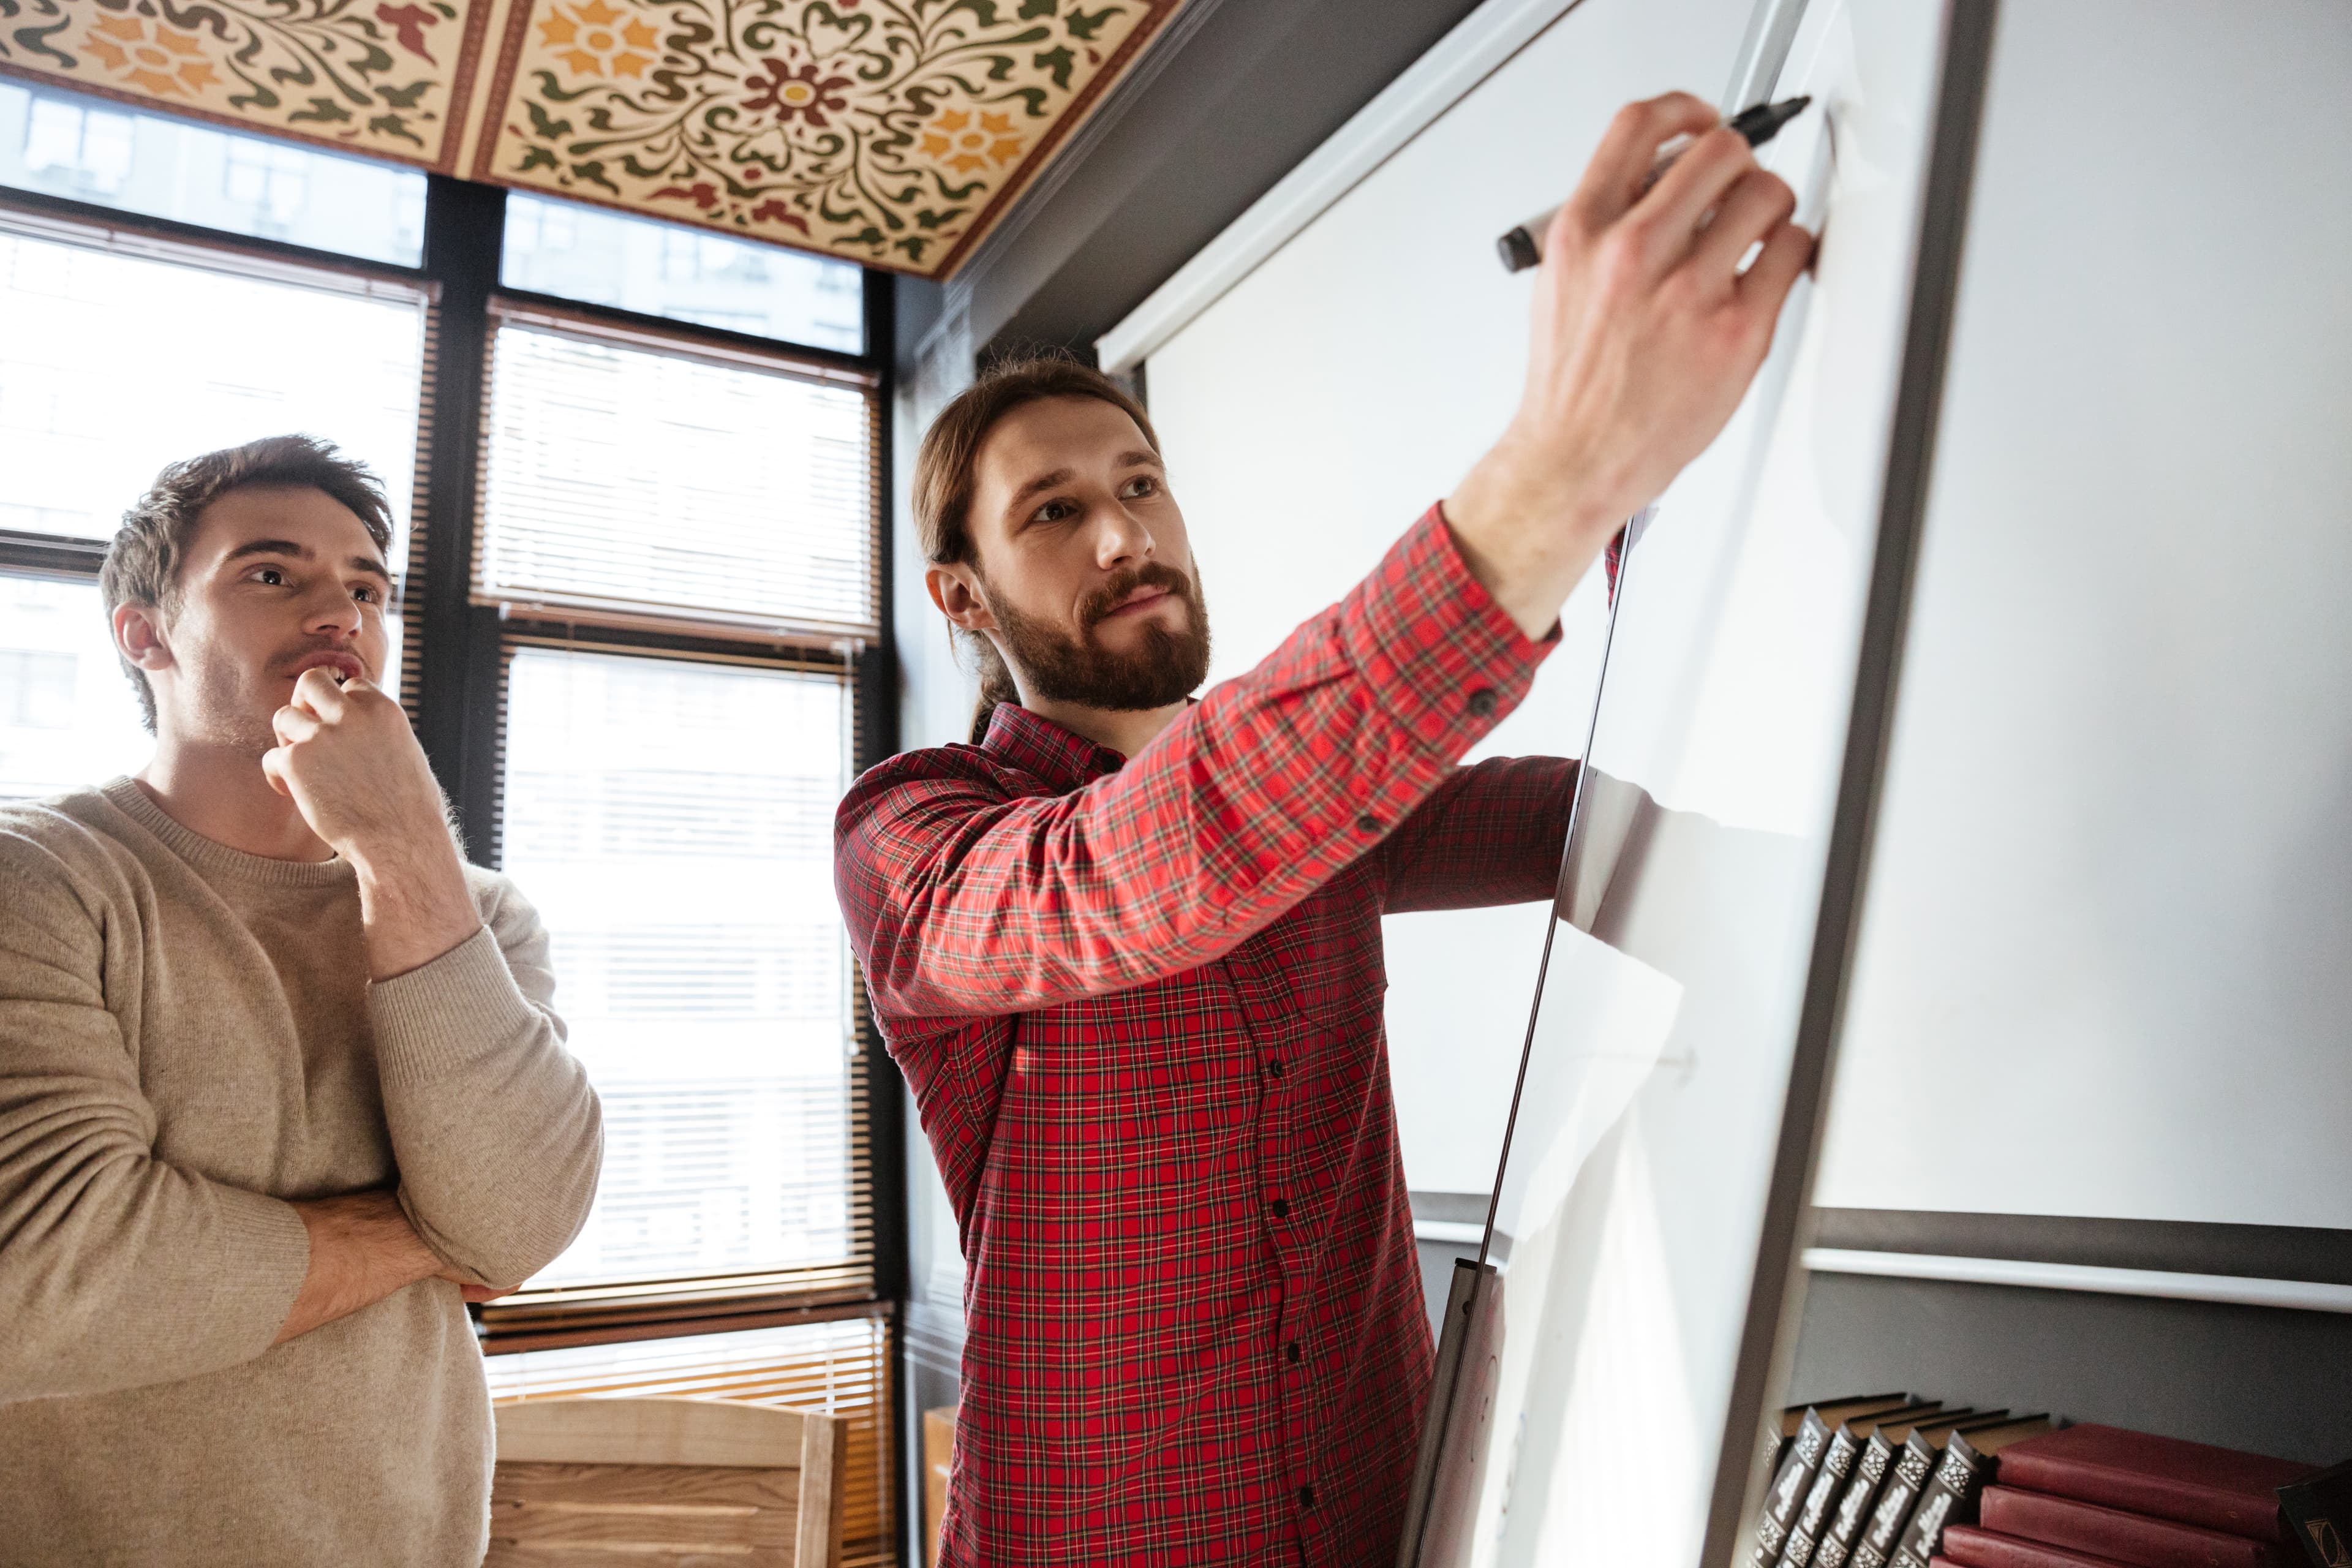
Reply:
x=1326, y=400
x=1590, y=1424
x=2105, y=958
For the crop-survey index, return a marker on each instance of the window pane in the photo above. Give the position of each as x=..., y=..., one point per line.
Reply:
x=673, y=823
x=622, y=475
x=66, y=714
x=91, y=150
x=113, y=365
x=685, y=273
x=842, y=1367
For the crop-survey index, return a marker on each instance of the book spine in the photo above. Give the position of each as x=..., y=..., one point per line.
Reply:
x=1950, y=1497
x=2318, y=1513
x=2125, y=1537
x=1854, y=1507
x=1909, y=1478
x=1789, y=1488
x=1837, y=1464
x=2118, y=1484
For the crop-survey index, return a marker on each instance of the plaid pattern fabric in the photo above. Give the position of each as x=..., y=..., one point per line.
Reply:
x=1139, y=1005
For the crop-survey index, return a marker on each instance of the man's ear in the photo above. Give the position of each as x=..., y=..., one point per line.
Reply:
x=955, y=589
x=139, y=636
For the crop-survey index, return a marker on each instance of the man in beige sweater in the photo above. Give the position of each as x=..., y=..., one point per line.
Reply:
x=279, y=1084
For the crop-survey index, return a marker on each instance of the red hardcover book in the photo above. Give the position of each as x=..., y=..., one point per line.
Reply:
x=2195, y=1483
x=1972, y=1546
x=2134, y=1539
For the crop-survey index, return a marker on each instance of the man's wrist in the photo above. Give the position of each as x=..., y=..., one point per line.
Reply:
x=1525, y=537
x=415, y=905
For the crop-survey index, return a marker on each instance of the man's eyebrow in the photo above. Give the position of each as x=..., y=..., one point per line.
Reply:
x=370, y=565
x=1041, y=482
x=1139, y=458
x=268, y=547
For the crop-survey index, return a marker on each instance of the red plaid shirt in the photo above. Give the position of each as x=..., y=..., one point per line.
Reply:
x=1139, y=1004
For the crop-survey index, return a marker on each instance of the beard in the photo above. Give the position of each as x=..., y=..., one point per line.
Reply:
x=1062, y=665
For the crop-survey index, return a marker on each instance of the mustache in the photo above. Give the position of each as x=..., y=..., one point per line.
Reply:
x=1098, y=605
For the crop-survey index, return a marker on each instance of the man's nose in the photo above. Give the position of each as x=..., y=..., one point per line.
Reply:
x=331, y=609
x=1121, y=538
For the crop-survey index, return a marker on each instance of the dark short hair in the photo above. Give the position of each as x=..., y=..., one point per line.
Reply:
x=143, y=563
x=946, y=472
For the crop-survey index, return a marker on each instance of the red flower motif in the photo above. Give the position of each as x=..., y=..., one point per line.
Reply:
x=773, y=209
x=797, y=93
x=703, y=194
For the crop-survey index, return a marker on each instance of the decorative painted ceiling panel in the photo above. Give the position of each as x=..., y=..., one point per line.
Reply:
x=893, y=133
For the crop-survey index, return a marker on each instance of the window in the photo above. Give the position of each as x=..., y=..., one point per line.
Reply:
x=116, y=362
x=87, y=150
x=622, y=472
x=82, y=144
x=681, y=272
x=672, y=821
x=66, y=715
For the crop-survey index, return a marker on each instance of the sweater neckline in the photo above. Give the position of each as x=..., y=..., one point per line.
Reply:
x=210, y=854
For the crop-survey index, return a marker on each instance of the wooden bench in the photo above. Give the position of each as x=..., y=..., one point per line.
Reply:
x=601, y=1483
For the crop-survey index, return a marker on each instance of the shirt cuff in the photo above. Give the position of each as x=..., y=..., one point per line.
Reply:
x=1448, y=662
x=264, y=1256
x=440, y=1016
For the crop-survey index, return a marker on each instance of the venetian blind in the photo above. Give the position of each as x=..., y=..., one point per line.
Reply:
x=672, y=821
x=691, y=485
x=842, y=1367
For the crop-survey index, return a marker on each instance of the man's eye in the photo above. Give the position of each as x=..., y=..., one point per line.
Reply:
x=271, y=577
x=365, y=594
x=1143, y=485
x=1053, y=511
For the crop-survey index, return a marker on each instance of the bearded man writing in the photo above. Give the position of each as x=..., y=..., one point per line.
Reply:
x=1125, y=947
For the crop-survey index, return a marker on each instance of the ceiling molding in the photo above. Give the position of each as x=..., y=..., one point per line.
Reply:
x=896, y=135
x=1466, y=56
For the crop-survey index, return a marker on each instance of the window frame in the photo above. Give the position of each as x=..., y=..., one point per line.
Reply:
x=454, y=650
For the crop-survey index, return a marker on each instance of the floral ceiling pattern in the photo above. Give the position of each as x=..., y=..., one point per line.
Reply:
x=892, y=132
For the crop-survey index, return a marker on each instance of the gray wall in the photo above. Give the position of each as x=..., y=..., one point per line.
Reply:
x=2268, y=1380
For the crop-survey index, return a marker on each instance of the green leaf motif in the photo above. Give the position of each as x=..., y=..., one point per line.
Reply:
x=403, y=97
x=322, y=111
x=393, y=125
x=593, y=170
x=536, y=158
x=1085, y=27
x=1036, y=8
x=543, y=125
x=1060, y=61
x=931, y=219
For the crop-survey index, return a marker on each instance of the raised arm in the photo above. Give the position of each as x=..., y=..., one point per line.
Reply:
x=498, y=1138
x=959, y=901
x=117, y=1269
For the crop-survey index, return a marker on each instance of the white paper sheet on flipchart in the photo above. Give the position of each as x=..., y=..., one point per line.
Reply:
x=1631, y=1206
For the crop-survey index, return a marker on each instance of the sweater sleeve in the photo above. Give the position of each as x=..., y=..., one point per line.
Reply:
x=498, y=1137
x=117, y=1269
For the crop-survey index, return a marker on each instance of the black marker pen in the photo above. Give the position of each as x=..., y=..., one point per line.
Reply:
x=1523, y=247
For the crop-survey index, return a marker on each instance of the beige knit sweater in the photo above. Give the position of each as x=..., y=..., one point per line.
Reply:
x=187, y=1040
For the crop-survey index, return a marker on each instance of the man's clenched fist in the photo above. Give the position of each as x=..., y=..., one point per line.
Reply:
x=349, y=761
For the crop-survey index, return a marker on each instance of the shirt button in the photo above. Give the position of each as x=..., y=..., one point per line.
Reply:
x=1281, y=1207
x=1482, y=702
x=1368, y=823
x=1274, y=1067
x=1291, y=1350
x=1307, y=1497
